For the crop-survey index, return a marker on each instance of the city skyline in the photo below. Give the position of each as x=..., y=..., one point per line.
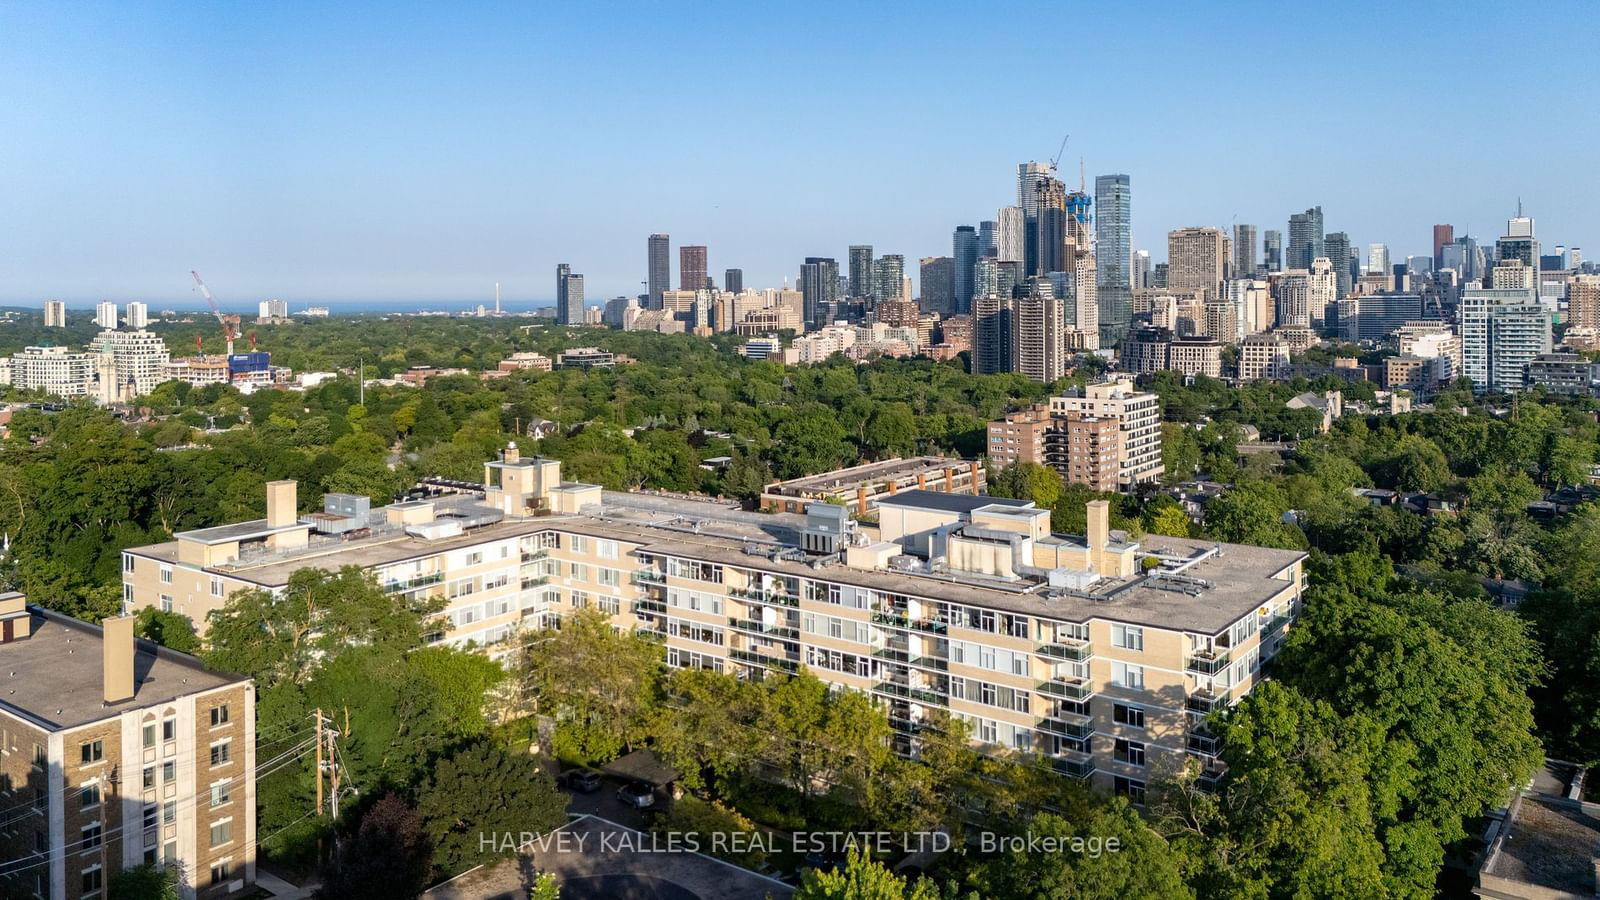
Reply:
x=243, y=144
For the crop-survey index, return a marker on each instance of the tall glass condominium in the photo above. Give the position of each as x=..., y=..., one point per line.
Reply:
x=1113, y=235
x=965, y=251
x=660, y=277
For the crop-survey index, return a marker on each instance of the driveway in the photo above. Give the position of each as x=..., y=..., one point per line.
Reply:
x=597, y=859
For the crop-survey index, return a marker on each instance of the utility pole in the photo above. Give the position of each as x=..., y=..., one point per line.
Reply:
x=319, y=761
x=333, y=775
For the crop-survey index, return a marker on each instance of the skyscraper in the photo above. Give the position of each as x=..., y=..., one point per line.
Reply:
x=1519, y=243
x=860, y=270
x=574, y=304
x=1010, y=234
x=138, y=315
x=1442, y=234
x=964, y=251
x=660, y=275
x=1336, y=247
x=55, y=314
x=691, y=267
x=1031, y=178
x=1272, y=250
x=987, y=236
x=1052, y=237
x=888, y=277
x=991, y=335
x=1195, y=261
x=1113, y=231
x=105, y=314
x=568, y=313
x=938, y=275
x=1378, y=259
x=1305, y=238
x=819, y=280
x=1244, y=251
x=1141, y=268
x=733, y=281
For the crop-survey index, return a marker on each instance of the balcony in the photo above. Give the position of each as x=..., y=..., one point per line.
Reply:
x=906, y=692
x=1204, y=745
x=1203, y=703
x=529, y=556
x=421, y=581
x=779, y=598
x=650, y=634
x=649, y=605
x=648, y=576
x=1208, y=662
x=782, y=631
x=907, y=725
x=765, y=659
x=536, y=581
x=1077, y=727
x=904, y=657
x=1075, y=651
x=1276, y=623
x=1073, y=765
x=895, y=620
x=1068, y=687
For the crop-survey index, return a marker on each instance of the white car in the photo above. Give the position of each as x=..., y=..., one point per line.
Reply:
x=637, y=794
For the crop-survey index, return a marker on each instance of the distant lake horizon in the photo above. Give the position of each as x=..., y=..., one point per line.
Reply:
x=297, y=307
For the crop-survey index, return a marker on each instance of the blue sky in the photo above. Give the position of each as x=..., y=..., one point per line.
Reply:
x=361, y=151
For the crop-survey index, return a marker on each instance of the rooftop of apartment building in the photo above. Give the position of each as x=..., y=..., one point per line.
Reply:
x=1167, y=582
x=1546, y=844
x=868, y=475
x=55, y=669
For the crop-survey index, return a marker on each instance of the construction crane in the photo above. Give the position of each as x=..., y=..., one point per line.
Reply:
x=1057, y=158
x=227, y=327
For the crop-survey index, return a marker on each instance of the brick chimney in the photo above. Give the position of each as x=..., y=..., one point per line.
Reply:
x=281, y=504
x=116, y=648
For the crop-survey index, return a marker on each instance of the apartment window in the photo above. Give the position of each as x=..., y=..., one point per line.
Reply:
x=495, y=582
x=221, y=832
x=1128, y=637
x=169, y=771
x=127, y=595
x=152, y=815
x=475, y=558
x=40, y=756
x=93, y=879
x=580, y=600
x=89, y=796
x=610, y=577
x=127, y=564
x=221, y=792
x=149, y=777
x=1131, y=788
x=580, y=545
x=1130, y=752
x=580, y=572
x=169, y=853
x=1128, y=676
x=93, y=752
x=166, y=574
x=169, y=729
x=219, y=715
x=988, y=732
x=169, y=812
x=89, y=838
x=605, y=549
x=608, y=605
x=216, y=586
x=219, y=753
x=221, y=871
x=1132, y=716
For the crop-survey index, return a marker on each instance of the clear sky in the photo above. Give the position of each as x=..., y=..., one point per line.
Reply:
x=357, y=150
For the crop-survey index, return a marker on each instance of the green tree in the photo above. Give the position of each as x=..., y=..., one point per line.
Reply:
x=861, y=878
x=167, y=629
x=1108, y=852
x=146, y=881
x=891, y=430
x=483, y=791
x=601, y=686
x=388, y=856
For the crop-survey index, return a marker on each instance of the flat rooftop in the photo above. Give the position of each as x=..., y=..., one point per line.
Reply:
x=868, y=474
x=55, y=677
x=943, y=502
x=1552, y=843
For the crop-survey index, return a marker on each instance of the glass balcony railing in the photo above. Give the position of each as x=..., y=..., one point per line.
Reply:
x=907, y=692
x=1078, y=727
x=411, y=584
x=779, y=596
x=1203, y=703
x=1208, y=662
x=648, y=576
x=893, y=654
x=529, y=556
x=895, y=620
x=1204, y=745
x=1069, y=687
x=649, y=605
x=783, y=631
x=535, y=581
x=1076, y=651
x=1074, y=765
x=765, y=659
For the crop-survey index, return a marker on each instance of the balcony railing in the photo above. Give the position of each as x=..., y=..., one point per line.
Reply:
x=396, y=587
x=1277, y=622
x=907, y=692
x=779, y=597
x=1208, y=662
x=1202, y=704
x=1073, y=765
x=782, y=631
x=650, y=634
x=1068, y=687
x=1079, y=727
x=529, y=556
x=648, y=576
x=535, y=581
x=649, y=605
x=765, y=659
x=905, y=657
x=895, y=620
x=1076, y=651
x=1204, y=745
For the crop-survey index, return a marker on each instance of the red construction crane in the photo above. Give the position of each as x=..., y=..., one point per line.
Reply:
x=227, y=327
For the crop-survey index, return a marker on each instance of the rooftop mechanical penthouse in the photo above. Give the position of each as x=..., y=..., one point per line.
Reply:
x=1102, y=653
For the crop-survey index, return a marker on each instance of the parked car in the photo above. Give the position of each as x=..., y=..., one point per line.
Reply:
x=581, y=781
x=637, y=794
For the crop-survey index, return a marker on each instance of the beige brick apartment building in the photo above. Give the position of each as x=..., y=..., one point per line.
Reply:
x=1100, y=653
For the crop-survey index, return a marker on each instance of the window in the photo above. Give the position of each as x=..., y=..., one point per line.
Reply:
x=1130, y=752
x=1128, y=676
x=166, y=574
x=169, y=812
x=93, y=879
x=475, y=558
x=93, y=752
x=90, y=838
x=127, y=594
x=1131, y=716
x=149, y=777
x=149, y=735
x=166, y=603
x=169, y=771
x=580, y=544
x=221, y=871
x=1128, y=637
x=216, y=586
x=219, y=715
x=605, y=549
x=152, y=815
x=89, y=796
x=127, y=563
x=608, y=605
x=169, y=852
x=610, y=577
x=221, y=832
x=580, y=572
x=221, y=792
x=40, y=756
x=1130, y=788
x=169, y=729
x=219, y=753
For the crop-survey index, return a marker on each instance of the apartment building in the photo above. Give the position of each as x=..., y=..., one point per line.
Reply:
x=115, y=752
x=1138, y=418
x=1263, y=356
x=64, y=373
x=1099, y=653
x=137, y=358
x=1087, y=449
x=1019, y=436
x=1196, y=356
